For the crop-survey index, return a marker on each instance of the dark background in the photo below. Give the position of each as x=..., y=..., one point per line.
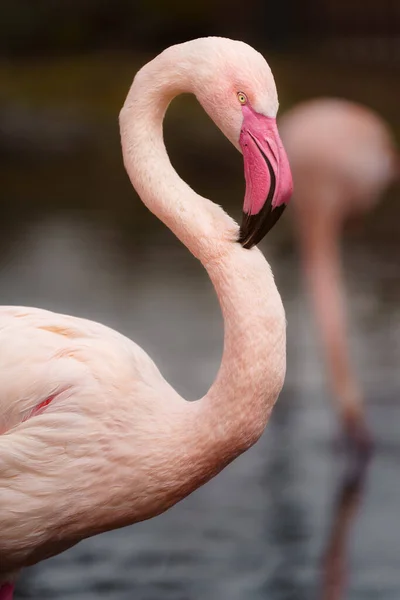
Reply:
x=75, y=238
x=66, y=67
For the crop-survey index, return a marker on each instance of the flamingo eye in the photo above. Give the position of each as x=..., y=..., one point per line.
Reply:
x=242, y=98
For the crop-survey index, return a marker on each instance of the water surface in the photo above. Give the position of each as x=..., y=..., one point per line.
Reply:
x=260, y=529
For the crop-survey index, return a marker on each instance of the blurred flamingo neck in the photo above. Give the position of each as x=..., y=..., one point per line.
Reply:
x=322, y=262
x=252, y=371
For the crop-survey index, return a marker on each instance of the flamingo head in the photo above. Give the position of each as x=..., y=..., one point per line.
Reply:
x=236, y=88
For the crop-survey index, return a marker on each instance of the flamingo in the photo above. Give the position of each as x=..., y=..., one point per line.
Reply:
x=342, y=158
x=93, y=438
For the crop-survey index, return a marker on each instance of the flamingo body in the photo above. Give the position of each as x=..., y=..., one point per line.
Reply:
x=92, y=437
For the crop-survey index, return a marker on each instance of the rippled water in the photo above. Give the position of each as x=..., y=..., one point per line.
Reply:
x=262, y=528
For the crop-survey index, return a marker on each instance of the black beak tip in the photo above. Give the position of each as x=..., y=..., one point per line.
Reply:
x=247, y=231
x=255, y=227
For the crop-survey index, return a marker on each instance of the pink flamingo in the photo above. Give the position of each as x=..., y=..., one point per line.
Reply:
x=93, y=438
x=342, y=158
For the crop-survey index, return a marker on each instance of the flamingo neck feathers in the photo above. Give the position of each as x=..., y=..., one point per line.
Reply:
x=234, y=412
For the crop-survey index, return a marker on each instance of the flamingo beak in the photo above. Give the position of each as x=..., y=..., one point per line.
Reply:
x=269, y=184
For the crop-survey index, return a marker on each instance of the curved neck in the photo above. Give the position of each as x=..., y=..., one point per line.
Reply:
x=253, y=364
x=200, y=224
x=322, y=263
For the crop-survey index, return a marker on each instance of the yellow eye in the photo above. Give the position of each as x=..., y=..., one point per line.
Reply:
x=242, y=98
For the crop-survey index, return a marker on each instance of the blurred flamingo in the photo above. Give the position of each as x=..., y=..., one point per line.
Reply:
x=93, y=438
x=342, y=158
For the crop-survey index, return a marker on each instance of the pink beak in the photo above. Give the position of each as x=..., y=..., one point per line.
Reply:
x=269, y=184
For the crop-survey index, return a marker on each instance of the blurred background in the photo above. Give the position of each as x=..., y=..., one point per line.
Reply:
x=282, y=522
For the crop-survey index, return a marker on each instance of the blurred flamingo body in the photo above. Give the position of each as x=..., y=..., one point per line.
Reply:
x=343, y=158
x=92, y=437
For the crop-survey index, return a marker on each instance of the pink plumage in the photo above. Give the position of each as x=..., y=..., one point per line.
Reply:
x=93, y=437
